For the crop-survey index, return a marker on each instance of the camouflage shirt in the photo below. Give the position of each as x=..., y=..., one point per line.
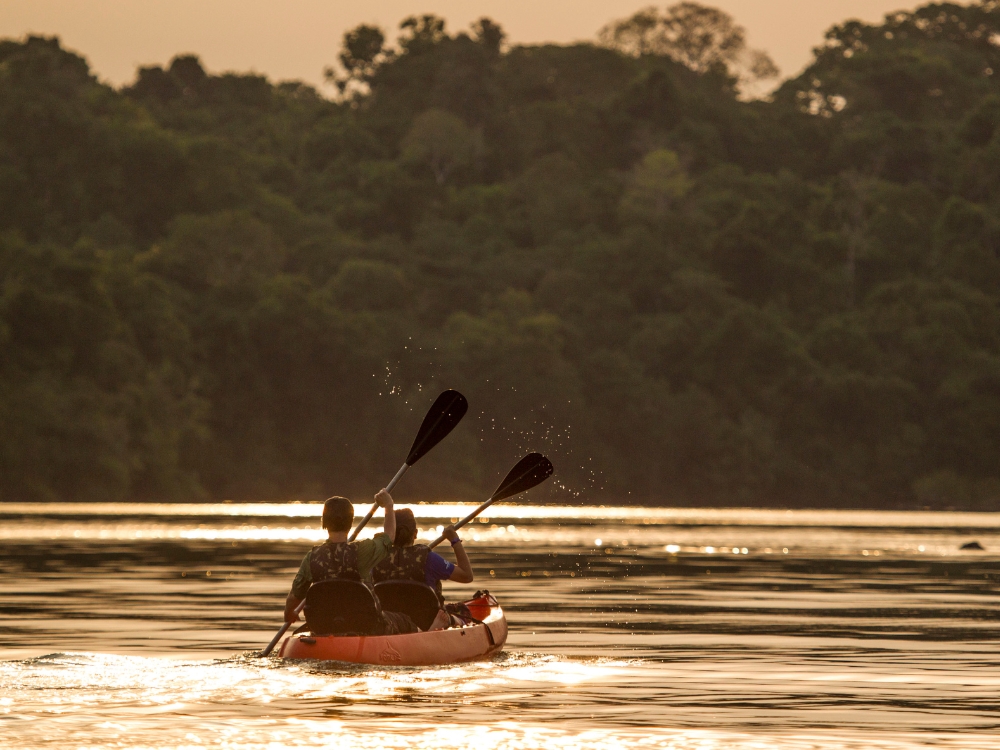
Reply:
x=406, y=564
x=370, y=552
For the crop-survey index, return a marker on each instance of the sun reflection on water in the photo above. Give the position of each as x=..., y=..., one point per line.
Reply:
x=648, y=539
x=121, y=699
x=87, y=700
x=449, y=511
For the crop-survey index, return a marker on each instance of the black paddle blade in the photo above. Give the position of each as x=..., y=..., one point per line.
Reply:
x=531, y=470
x=446, y=412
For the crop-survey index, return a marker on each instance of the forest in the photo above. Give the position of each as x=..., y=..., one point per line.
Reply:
x=221, y=287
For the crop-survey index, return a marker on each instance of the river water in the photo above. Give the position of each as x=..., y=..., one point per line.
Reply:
x=135, y=626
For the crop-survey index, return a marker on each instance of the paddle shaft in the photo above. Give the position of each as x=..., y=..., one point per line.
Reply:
x=530, y=471
x=446, y=412
x=284, y=628
x=388, y=488
x=465, y=520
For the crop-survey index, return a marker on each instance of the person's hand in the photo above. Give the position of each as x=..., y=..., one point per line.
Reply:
x=291, y=615
x=384, y=499
x=450, y=534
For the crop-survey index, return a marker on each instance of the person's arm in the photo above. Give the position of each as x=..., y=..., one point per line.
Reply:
x=384, y=499
x=291, y=604
x=301, y=584
x=463, y=567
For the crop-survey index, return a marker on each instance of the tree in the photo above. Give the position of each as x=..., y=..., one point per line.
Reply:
x=441, y=141
x=702, y=38
x=421, y=33
x=362, y=50
x=655, y=184
x=489, y=34
x=931, y=62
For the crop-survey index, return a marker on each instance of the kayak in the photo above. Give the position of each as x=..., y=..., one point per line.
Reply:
x=471, y=642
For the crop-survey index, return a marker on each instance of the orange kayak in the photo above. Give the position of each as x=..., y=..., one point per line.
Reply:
x=458, y=644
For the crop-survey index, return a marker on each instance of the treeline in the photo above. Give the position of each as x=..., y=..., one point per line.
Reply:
x=216, y=286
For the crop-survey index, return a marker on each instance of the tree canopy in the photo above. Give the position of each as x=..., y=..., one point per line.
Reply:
x=217, y=286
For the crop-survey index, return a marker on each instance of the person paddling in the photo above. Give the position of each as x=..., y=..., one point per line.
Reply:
x=339, y=558
x=417, y=562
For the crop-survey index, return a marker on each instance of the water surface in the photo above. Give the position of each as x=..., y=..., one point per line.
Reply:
x=135, y=626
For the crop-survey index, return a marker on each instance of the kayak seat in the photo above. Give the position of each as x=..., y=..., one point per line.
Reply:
x=342, y=607
x=412, y=598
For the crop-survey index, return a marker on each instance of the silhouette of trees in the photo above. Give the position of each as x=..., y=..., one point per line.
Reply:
x=216, y=286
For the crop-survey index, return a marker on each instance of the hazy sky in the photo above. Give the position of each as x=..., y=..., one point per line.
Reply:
x=296, y=39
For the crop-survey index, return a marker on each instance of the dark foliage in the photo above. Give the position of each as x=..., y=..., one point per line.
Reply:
x=217, y=286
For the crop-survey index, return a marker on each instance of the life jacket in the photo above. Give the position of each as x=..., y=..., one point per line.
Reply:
x=406, y=564
x=334, y=560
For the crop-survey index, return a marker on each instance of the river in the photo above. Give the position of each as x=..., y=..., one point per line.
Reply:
x=135, y=626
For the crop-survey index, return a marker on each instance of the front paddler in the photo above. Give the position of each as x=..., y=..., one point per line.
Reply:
x=339, y=558
x=418, y=562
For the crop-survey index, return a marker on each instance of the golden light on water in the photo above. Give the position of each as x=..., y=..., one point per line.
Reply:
x=646, y=538
x=121, y=701
x=653, y=531
x=126, y=696
x=449, y=511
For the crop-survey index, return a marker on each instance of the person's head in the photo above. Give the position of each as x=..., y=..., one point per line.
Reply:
x=338, y=514
x=406, y=528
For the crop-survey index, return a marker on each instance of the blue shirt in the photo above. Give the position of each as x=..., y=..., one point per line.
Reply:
x=437, y=569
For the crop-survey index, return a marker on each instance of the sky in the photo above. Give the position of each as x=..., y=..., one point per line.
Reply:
x=297, y=39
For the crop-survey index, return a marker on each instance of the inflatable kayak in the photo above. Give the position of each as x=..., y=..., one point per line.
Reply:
x=471, y=642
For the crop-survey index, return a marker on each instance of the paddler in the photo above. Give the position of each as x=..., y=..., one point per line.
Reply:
x=418, y=562
x=339, y=558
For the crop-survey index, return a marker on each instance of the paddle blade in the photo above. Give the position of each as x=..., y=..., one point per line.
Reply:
x=446, y=412
x=531, y=470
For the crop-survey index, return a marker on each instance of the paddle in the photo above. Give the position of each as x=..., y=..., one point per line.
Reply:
x=446, y=412
x=281, y=631
x=530, y=471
